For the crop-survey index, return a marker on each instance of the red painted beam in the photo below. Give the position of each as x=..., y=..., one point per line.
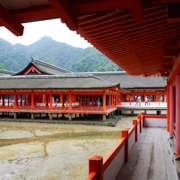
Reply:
x=10, y=22
x=169, y=52
x=66, y=13
x=137, y=9
x=35, y=14
x=100, y=5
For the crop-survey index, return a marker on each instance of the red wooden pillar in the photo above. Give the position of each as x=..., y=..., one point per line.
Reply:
x=88, y=100
x=70, y=101
x=61, y=100
x=50, y=101
x=162, y=97
x=21, y=99
x=178, y=115
x=104, y=101
x=156, y=97
x=109, y=100
x=80, y=101
x=116, y=100
x=113, y=100
x=3, y=100
x=15, y=101
x=168, y=119
x=32, y=101
x=172, y=115
x=8, y=99
x=25, y=97
x=144, y=97
x=133, y=97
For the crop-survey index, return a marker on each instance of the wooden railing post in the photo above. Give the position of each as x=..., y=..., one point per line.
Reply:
x=136, y=133
x=96, y=165
x=124, y=134
x=140, y=125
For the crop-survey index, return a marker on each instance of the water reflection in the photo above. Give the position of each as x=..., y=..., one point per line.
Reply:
x=51, y=151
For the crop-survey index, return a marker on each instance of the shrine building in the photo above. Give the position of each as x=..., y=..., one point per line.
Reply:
x=44, y=88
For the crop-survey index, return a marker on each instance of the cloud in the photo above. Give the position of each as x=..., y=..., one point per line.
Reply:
x=52, y=28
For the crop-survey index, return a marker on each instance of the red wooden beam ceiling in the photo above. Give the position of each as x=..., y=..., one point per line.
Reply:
x=10, y=22
x=169, y=52
x=66, y=13
x=137, y=9
x=83, y=7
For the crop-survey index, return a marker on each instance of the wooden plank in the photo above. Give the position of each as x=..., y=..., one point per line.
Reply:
x=149, y=157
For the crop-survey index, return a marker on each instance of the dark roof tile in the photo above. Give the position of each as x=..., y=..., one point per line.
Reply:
x=66, y=81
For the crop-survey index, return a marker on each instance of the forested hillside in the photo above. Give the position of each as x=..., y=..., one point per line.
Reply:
x=16, y=57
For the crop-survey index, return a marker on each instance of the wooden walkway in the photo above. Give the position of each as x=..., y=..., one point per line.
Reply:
x=149, y=158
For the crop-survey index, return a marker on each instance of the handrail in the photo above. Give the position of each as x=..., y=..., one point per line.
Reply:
x=97, y=162
x=92, y=176
x=131, y=130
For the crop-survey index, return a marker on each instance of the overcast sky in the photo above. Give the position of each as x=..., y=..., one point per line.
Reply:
x=52, y=28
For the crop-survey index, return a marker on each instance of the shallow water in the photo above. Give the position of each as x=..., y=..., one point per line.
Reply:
x=52, y=151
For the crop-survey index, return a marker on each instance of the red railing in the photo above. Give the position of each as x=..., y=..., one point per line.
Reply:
x=56, y=108
x=100, y=167
x=92, y=176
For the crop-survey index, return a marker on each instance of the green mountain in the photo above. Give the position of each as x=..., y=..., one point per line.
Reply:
x=16, y=57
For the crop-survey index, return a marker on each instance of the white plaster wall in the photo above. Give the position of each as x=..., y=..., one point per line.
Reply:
x=155, y=122
x=138, y=111
x=131, y=141
x=126, y=111
x=164, y=112
x=113, y=169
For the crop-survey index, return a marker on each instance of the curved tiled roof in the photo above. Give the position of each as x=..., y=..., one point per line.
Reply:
x=129, y=82
x=5, y=73
x=43, y=67
x=66, y=81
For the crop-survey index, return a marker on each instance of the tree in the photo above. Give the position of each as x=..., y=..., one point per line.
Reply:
x=1, y=67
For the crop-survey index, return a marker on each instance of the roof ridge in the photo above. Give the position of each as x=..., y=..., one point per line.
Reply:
x=106, y=72
x=66, y=75
x=37, y=61
x=6, y=71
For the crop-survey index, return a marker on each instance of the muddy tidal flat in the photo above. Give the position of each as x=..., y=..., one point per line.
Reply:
x=53, y=151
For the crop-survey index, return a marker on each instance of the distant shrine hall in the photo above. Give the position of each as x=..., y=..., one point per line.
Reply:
x=44, y=88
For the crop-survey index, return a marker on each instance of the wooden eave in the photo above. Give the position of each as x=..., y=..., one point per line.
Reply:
x=132, y=34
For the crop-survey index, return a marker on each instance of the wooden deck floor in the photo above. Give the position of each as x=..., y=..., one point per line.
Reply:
x=149, y=158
